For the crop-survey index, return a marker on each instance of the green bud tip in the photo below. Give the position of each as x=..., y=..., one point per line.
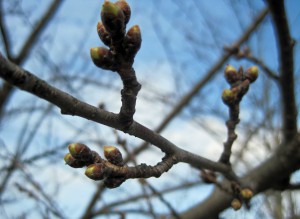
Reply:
x=227, y=93
x=68, y=158
x=236, y=204
x=253, y=70
x=231, y=74
x=75, y=148
x=95, y=53
x=228, y=97
x=109, y=7
x=95, y=171
x=113, y=155
x=230, y=68
x=109, y=149
x=252, y=73
x=78, y=148
x=73, y=162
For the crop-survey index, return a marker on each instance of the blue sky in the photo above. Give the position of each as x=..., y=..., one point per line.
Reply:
x=66, y=42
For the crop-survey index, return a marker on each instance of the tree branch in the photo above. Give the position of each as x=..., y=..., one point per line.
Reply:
x=283, y=162
x=185, y=100
x=7, y=90
x=286, y=45
x=5, y=94
x=69, y=105
x=246, y=54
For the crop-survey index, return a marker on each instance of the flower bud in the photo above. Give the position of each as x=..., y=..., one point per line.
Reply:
x=236, y=204
x=231, y=74
x=125, y=8
x=114, y=182
x=80, y=151
x=95, y=171
x=113, y=19
x=72, y=162
x=252, y=73
x=103, y=34
x=228, y=97
x=102, y=58
x=113, y=155
x=246, y=193
x=133, y=41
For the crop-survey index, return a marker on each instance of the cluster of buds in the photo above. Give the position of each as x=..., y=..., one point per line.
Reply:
x=114, y=156
x=112, y=32
x=80, y=156
x=239, y=82
x=242, y=196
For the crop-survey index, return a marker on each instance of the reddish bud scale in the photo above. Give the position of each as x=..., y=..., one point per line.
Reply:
x=252, y=73
x=125, y=8
x=80, y=151
x=72, y=162
x=113, y=155
x=113, y=19
x=114, y=182
x=242, y=89
x=231, y=75
x=133, y=41
x=103, y=34
x=95, y=171
x=240, y=72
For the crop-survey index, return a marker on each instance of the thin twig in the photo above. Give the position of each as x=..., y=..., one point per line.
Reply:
x=261, y=65
x=40, y=26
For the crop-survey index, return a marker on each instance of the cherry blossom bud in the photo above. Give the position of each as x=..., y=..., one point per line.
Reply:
x=80, y=151
x=113, y=155
x=102, y=58
x=95, y=171
x=228, y=97
x=133, y=41
x=231, y=74
x=72, y=162
x=103, y=34
x=252, y=73
x=113, y=19
x=125, y=8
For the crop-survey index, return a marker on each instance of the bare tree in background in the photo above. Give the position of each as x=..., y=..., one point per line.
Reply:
x=268, y=118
